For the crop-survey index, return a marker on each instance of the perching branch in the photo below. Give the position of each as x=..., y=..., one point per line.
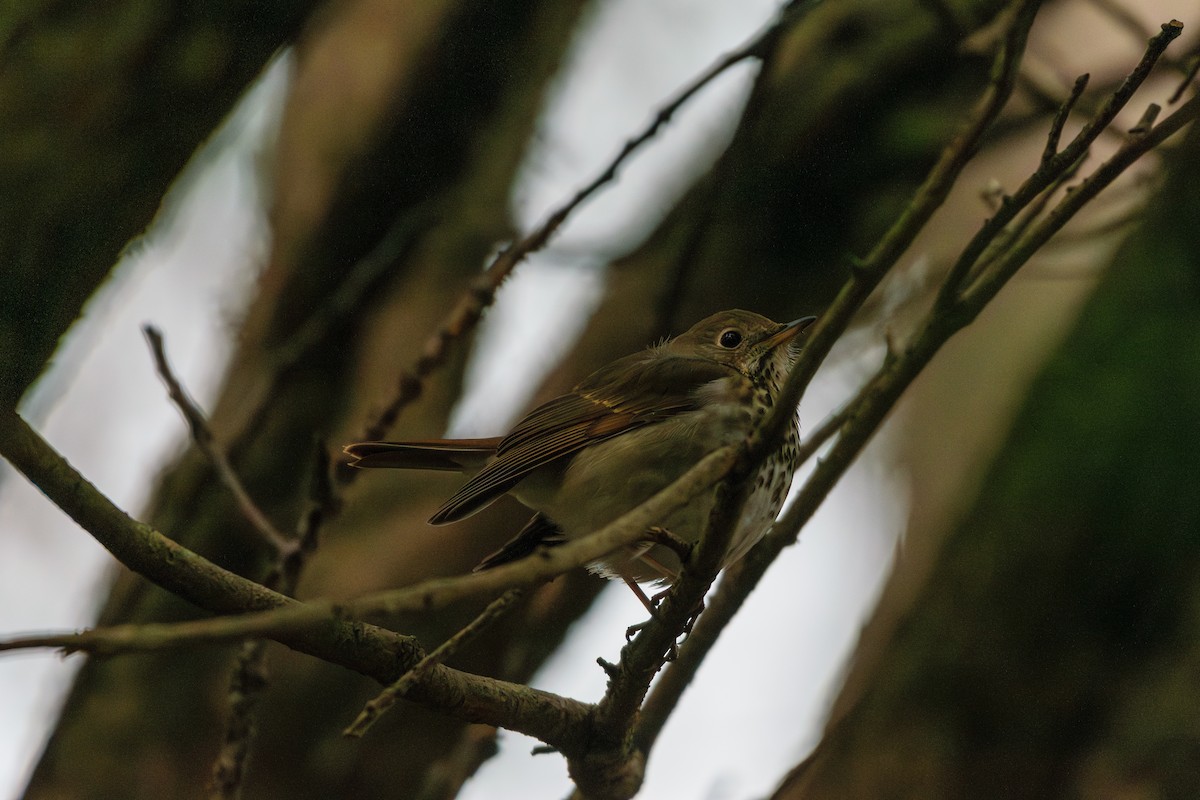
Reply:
x=387, y=698
x=362, y=648
x=282, y=620
x=866, y=412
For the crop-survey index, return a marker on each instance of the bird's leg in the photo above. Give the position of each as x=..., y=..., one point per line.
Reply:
x=651, y=604
x=683, y=550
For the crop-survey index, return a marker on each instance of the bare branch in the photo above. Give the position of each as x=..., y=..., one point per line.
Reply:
x=249, y=679
x=1061, y=116
x=367, y=649
x=284, y=620
x=611, y=757
x=482, y=290
x=1051, y=169
x=387, y=698
x=927, y=199
x=204, y=439
x=1189, y=75
x=866, y=412
x=989, y=283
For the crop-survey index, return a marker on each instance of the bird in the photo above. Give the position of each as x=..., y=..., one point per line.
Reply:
x=624, y=433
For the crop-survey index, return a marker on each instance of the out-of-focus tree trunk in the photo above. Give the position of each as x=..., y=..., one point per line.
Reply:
x=100, y=107
x=1053, y=649
x=424, y=138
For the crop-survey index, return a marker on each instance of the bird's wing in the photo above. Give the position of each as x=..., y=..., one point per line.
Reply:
x=629, y=393
x=538, y=532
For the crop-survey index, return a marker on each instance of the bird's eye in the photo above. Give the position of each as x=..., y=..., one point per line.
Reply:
x=729, y=339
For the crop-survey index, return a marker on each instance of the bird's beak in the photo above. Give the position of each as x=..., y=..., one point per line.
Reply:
x=788, y=332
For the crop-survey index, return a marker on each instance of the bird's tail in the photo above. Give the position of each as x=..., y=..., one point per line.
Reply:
x=453, y=455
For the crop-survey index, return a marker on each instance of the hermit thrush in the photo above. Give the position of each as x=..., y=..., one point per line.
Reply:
x=627, y=431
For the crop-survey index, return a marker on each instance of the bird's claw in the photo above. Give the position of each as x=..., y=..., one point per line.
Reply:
x=633, y=630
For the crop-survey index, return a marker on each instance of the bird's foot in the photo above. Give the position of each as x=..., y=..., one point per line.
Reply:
x=634, y=630
x=651, y=603
x=691, y=620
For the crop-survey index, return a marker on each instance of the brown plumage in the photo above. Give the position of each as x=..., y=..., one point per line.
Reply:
x=625, y=432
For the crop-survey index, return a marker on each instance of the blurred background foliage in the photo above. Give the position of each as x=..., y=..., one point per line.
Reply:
x=1039, y=627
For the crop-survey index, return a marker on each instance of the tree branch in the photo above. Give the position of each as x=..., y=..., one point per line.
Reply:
x=866, y=412
x=482, y=290
x=1052, y=168
x=203, y=437
x=363, y=648
x=387, y=698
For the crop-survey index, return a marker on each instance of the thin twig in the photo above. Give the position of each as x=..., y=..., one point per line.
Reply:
x=1052, y=168
x=247, y=684
x=323, y=504
x=1061, y=116
x=1028, y=215
x=249, y=679
x=387, y=698
x=249, y=676
x=1189, y=75
x=482, y=290
x=976, y=296
x=870, y=271
x=204, y=439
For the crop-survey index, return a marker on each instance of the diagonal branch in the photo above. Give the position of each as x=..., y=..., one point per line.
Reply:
x=611, y=754
x=858, y=421
x=203, y=437
x=281, y=621
x=1052, y=168
x=482, y=290
x=867, y=411
x=366, y=649
x=387, y=698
